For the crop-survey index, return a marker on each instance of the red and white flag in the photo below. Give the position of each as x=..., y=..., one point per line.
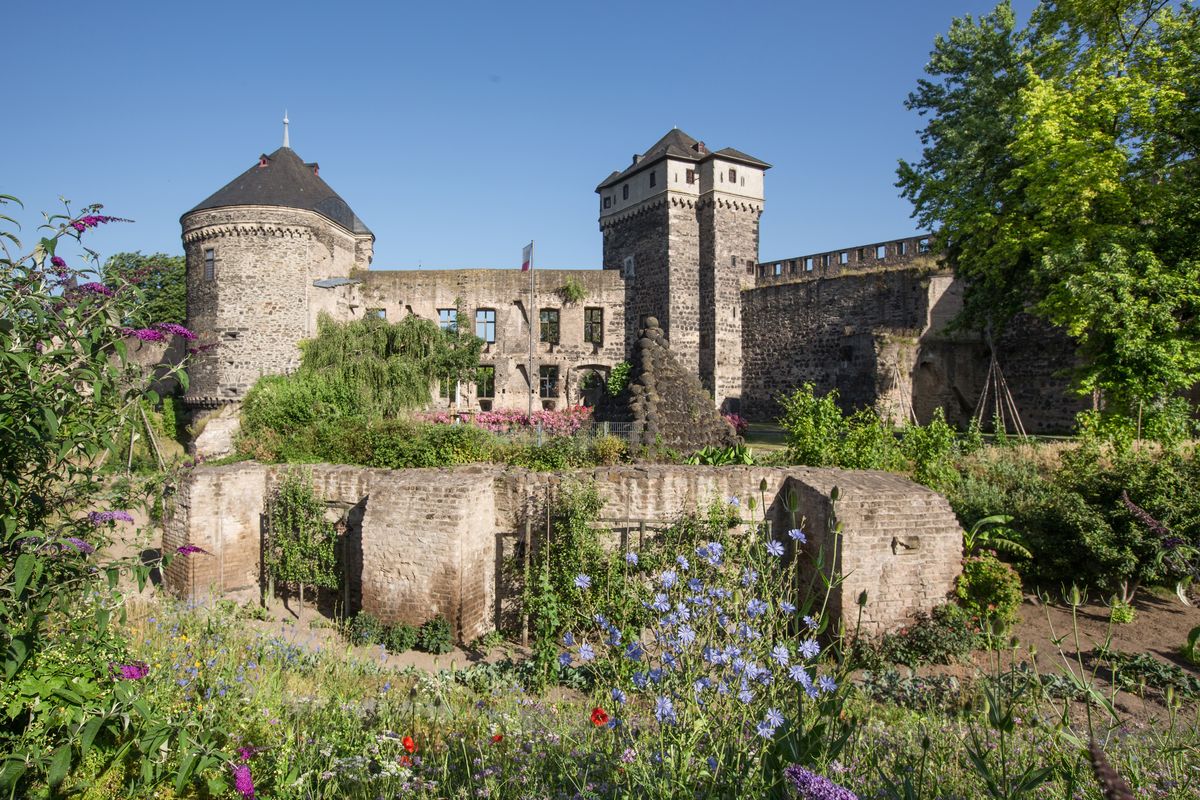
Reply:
x=527, y=258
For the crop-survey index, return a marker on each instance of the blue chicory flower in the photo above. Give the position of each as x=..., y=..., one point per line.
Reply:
x=775, y=548
x=583, y=581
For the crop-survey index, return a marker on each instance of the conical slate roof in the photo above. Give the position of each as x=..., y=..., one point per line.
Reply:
x=283, y=179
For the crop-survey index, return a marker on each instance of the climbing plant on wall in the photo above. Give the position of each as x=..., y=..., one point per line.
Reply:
x=301, y=548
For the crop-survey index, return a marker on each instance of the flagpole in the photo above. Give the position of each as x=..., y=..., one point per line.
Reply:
x=532, y=311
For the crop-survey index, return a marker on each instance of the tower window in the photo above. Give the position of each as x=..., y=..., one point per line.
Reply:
x=448, y=319
x=593, y=326
x=691, y=176
x=608, y=201
x=778, y=270
x=732, y=175
x=210, y=264
x=923, y=245
x=902, y=248
x=549, y=325
x=485, y=381
x=653, y=178
x=625, y=192
x=825, y=260
x=862, y=254
x=808, y=264
x=843, y=257
x=548, y=382
x=881, y=251
x=628, y=266
x=485, y=324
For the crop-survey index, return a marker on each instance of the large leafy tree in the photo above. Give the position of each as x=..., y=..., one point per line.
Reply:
x=163, y=284
x=1059, y=169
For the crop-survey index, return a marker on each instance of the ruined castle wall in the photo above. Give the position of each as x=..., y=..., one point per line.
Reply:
x=431, y=541
x=398, y=293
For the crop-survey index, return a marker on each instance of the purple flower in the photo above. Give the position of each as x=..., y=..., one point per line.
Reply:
x=749, y=576
x=800, y=675
x=101, y=517
x=736, y=503
x=682, y=562
x=175, y=330
x=58, y=262
x=97, y=288
x=809, y=648
x=664, y=710
x=189, y=549
x=145, y=334
x=787, y=607
x=629, y=756
x=827, y=683
x=243, y=782
x=669, y=578
x=582, y=581
x=81, y=545
x=661, y=604
x=797, y=535
x=586, y=653
x=568, y=639
x=810, y=622
x=631, y=558
x=131, y=672
x=755, y=608
x=686, y=635
x=565, y=659
x=618, y=696
x=811, y=786
x=775, y=548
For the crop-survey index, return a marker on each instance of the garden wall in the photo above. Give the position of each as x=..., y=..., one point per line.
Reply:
x=432, y=541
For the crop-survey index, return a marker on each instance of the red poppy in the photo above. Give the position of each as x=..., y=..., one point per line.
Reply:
x=599, y=717
x=409, y=744
x=405, y=761
x=497, y=738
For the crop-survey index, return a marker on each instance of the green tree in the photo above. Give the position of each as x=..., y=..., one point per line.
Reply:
x=1059, y=169
x=162, y=281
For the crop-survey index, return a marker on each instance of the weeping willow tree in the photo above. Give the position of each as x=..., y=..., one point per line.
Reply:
x=366, y=368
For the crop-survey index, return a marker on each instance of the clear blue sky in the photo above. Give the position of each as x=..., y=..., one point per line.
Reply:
x=458, y=131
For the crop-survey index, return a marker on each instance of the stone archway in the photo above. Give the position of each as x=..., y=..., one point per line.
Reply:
x=590, y=382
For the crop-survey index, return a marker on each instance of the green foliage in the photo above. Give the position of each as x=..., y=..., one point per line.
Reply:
x=993, y=533
x=814, y=427
x=302, y=547
x=435, y=636
x=990, y=591
x=1121, y=613
x=572, y=291
x=947, y=636
x=163, y=283
x=364, y=628
x=1135, y=671
x=1060, y=169
x=713, y=456
x=608, y=450
x=618, y=378
x=401, y=637
x=931, y=449
x=1191, y=648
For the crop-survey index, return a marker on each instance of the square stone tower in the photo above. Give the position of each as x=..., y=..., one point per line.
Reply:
x=681, y=223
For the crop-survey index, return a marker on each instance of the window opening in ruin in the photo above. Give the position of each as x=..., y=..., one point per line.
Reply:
x=732, y=175
x=547, y=382
x=447, y=389
x=778, y=270
x=628, y=266
x=210, y=264
x=691, y=176
x=653, y=178
x=378, y=313
x=881, y=251
x=902, y=248
x=485, y=381
x=923, y=246
x=593, y=326
x=843, y=257
x=549, y=325
x=733, y=261
x=608, y=201
x=625, y=192
x=862, y=254
x=485, y=324
x=448, y=319
x=825, y=260
x=808, y=264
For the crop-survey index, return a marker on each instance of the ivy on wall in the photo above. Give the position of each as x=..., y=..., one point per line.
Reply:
x=301, y=548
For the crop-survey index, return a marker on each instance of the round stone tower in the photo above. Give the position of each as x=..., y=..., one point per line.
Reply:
x=254, y=250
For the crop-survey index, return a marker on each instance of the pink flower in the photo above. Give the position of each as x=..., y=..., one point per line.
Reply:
x=131, y=672
x=145, y=334
x=243, y=781
x=189, y=549
x=96, y=288
x=58, y=262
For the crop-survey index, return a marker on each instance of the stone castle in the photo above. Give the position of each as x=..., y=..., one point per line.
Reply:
x=277, y=246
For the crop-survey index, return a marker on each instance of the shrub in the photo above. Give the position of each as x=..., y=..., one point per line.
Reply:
x=931, y=449
x=813, y=427
x=608, y=450
x=946, y=636
x=990, y=591
x=434, y=636
x=618, y=378
x=399, y=638
x=364, y=628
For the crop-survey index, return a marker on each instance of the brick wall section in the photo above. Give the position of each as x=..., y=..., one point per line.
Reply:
x=431, y=539
x=506, y=291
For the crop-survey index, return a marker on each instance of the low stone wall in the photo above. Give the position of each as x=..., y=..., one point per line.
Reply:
x=423, y=542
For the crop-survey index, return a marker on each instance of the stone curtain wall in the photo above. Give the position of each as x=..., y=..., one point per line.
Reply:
x=644, y=236
x=432, y=540
x=506, y=291
x=880, y=339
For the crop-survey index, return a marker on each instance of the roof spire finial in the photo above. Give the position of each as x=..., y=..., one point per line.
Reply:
x=285, y=130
